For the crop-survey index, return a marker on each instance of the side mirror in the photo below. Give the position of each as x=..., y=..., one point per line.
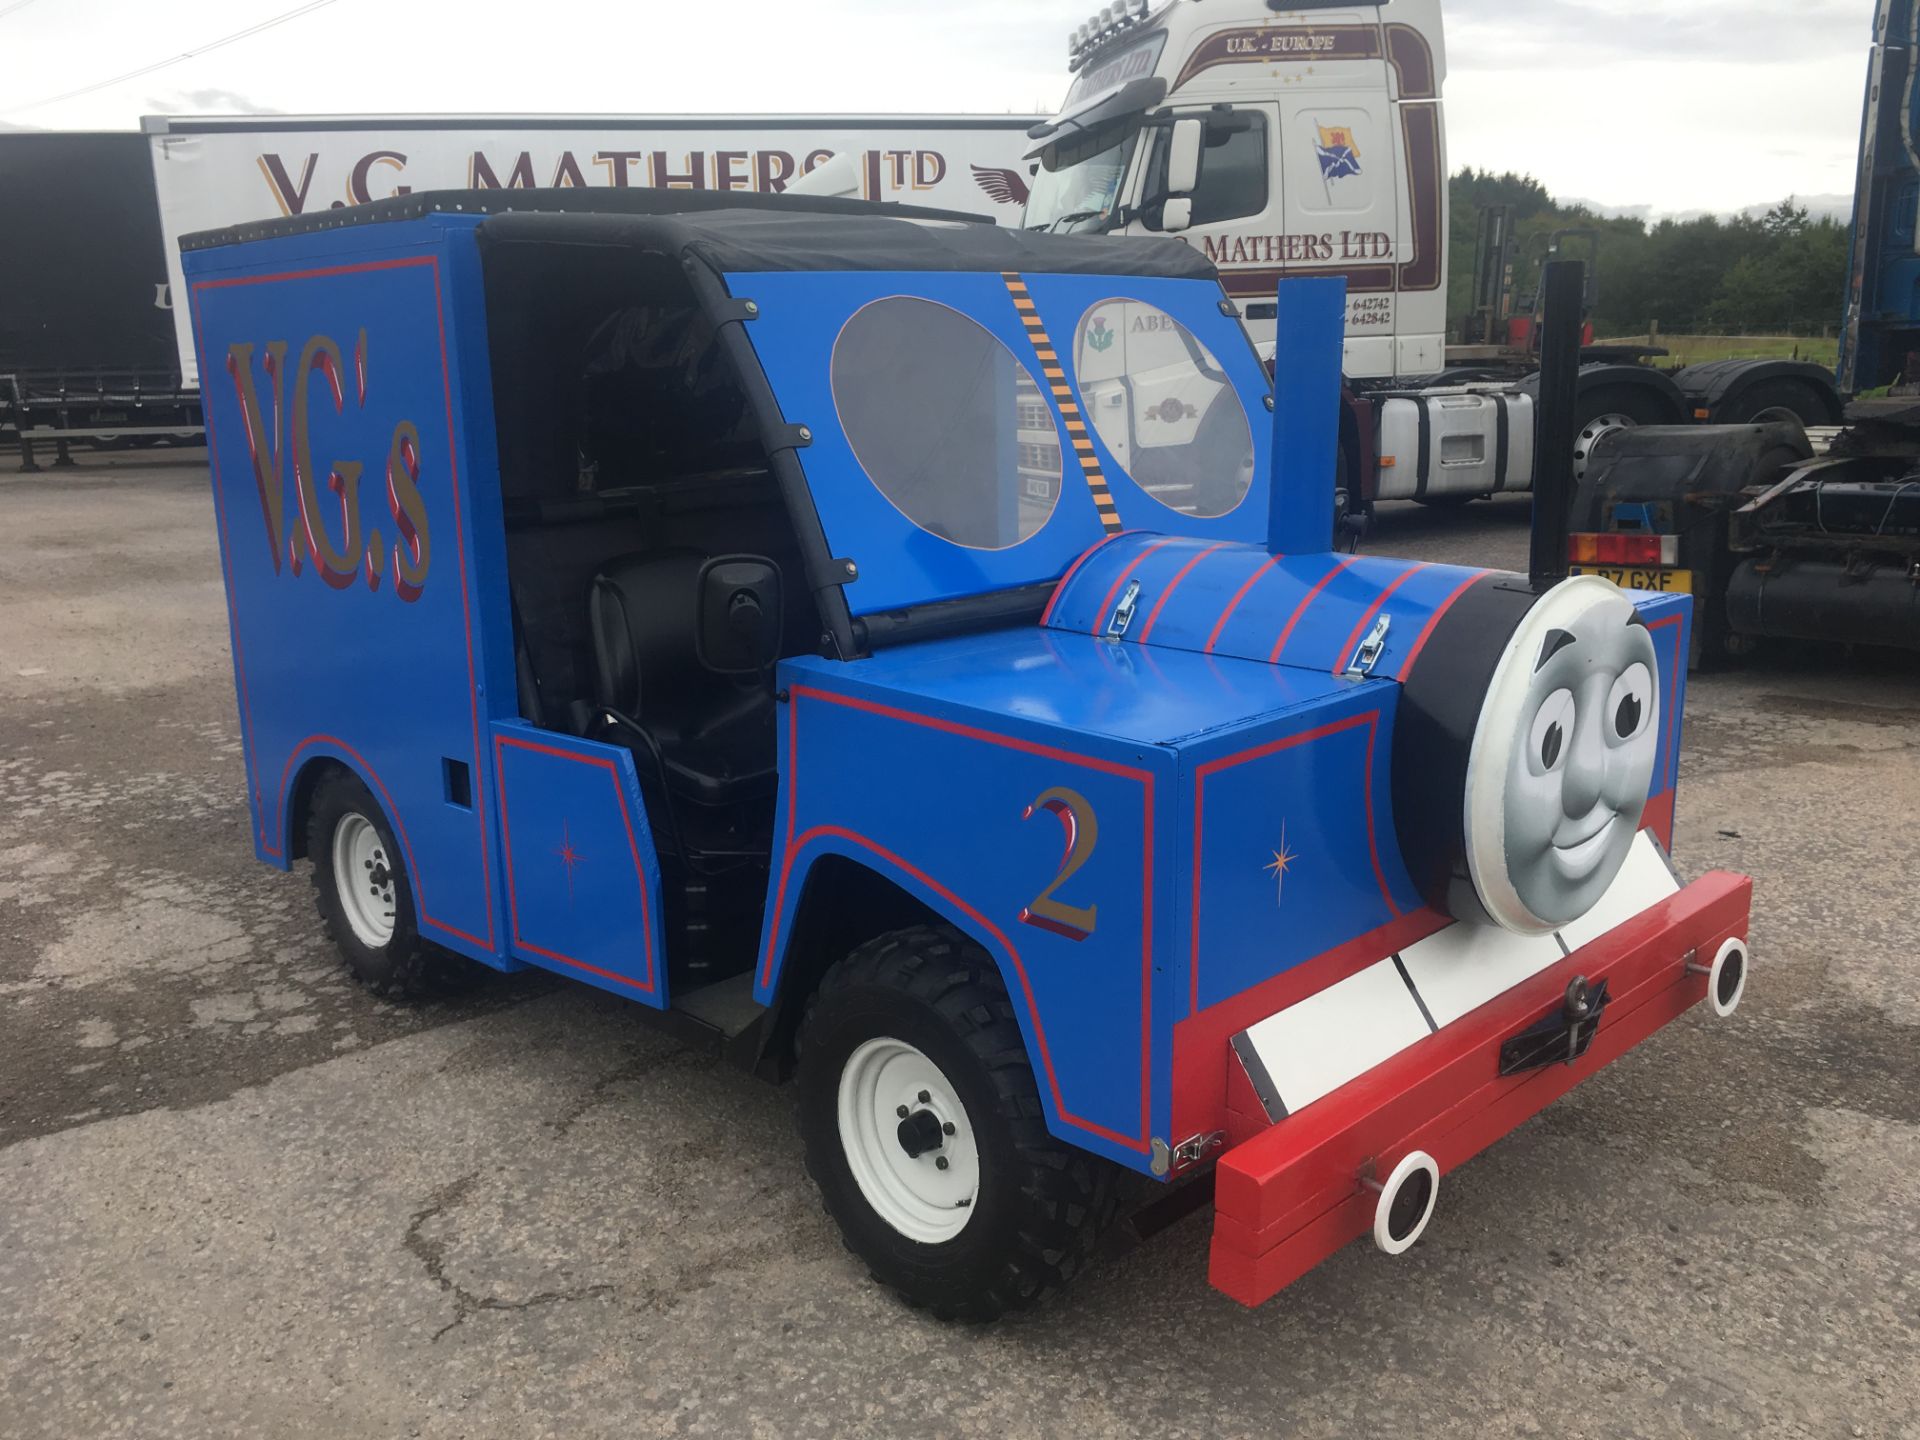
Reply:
x=739, y=623
x=1183, y=155
x=1176, y=214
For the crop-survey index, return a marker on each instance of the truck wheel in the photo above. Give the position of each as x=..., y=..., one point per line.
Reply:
x=923, y=1129
x=1612, y=407
x=365, y=899
x=1774, y=400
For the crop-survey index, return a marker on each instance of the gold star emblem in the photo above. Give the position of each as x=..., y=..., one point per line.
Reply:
x=1283, y=859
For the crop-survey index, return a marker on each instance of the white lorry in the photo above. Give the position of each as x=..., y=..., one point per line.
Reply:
x=211, y=173
x=1309, y=138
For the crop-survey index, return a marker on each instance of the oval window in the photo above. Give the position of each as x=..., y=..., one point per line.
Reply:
x=1164, y=407
x=948, y=425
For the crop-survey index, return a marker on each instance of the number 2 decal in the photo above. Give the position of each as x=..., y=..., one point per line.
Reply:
x=1076, y=817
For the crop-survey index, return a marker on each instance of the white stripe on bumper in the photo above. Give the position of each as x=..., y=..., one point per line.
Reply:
x=1312, y=1048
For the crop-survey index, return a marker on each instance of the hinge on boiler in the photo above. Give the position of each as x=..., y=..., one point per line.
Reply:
x=1368, y=655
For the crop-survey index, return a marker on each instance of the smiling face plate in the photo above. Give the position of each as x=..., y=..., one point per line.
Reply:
x=1562, y=758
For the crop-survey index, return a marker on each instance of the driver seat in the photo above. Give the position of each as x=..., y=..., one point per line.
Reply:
x=714, y=734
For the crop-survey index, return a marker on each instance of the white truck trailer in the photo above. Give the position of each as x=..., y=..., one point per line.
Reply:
x=211, y=173
x=1309, y=138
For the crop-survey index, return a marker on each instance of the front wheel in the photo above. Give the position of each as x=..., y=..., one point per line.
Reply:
x=923, y=1128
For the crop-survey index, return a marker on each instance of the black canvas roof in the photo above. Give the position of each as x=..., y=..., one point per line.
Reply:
x=742, y=231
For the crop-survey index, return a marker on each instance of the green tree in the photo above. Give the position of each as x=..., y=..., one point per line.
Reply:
x=1782, y=272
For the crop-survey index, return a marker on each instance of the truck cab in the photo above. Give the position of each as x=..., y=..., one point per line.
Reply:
x=1310, y=140
x=904, y=655
x=1318, y=149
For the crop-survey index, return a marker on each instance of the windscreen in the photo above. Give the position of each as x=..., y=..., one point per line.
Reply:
x=948, y=425
x=951, y=451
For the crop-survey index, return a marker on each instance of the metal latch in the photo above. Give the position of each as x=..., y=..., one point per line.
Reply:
x=1368, y=655
x=1123, y=612
x=1193, y=1150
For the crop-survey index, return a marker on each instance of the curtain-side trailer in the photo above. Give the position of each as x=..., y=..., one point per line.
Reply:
x=91, y=348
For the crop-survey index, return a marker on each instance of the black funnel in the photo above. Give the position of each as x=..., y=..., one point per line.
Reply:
x=1563, y=285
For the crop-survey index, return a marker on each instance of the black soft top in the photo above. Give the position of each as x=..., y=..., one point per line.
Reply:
x=743, y=231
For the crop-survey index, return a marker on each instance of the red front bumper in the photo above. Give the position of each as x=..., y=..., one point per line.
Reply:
x=1291, y=1196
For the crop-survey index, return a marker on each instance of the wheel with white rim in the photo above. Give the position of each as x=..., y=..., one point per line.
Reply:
x=908, y=1141
x=363, y=876
x=365, y=897
x=924, y=1129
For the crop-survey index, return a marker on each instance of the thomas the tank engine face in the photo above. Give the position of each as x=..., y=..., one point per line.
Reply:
x=1565, y=755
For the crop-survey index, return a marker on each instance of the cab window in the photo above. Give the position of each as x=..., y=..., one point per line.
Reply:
x=947, y=423
x=1233, y=170
x=1164, y=408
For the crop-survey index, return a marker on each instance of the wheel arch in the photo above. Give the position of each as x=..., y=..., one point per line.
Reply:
x=847, y=898
x=1650, y=383
x=1717, y=383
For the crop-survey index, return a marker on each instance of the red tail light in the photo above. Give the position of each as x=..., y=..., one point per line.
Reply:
x=1639, y=550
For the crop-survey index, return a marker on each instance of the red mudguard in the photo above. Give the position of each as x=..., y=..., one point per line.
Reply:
x=1291, y=1196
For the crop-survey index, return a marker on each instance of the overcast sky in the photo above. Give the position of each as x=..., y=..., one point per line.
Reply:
x=1676, y=105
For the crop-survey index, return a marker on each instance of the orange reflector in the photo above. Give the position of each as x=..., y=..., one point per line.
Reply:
x=1387, y=462
x=1703, y=414
x=1621, y=549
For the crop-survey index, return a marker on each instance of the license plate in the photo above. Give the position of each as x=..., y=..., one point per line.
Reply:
x=1648, y=579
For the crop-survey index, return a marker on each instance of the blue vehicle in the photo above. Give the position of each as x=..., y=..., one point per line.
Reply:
x=908, y=655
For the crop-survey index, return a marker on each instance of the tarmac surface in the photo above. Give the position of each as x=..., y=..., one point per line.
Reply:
x=240, y=1197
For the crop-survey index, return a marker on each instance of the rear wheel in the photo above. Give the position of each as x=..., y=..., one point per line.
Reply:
x=923, y=1128
x=366, y=900
x=1610, y=408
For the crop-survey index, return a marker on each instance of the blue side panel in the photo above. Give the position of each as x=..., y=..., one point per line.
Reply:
x=1040, y=843
x=1670, y=622
x=582, y=879
x=1291, y=846
x=338, y=431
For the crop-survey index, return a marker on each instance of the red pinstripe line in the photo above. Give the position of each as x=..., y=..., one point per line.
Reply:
x=1373, y=846
x=1406, y=666
x=1227, y=762
x=1238, y=596
x=1373, y=610
x=1137, y=1143
x=1673, y=710
x=318, y=273
x=500, y=742
x=1138, y=560
x=446, y=380
x=1173, y=585
x=1091, y=762
x=1046, y=616
x=1301, y=608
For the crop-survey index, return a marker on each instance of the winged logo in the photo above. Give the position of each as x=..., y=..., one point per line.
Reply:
x=1005, y=186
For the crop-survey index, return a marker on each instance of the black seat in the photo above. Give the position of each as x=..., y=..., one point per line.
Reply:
x=714, y=733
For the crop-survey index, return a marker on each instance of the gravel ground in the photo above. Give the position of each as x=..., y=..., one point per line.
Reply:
x=238, y=1197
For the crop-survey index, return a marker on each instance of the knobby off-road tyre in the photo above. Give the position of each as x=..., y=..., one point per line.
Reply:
x=909, y=1055
x=365, y=897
